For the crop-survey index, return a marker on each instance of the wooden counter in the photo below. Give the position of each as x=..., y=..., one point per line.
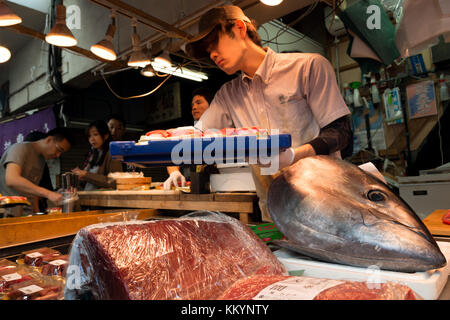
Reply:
x=434, y=223
x=24, y=230
x=241, y=203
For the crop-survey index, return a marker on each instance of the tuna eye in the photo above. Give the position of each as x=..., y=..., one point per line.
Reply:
x=376, y=196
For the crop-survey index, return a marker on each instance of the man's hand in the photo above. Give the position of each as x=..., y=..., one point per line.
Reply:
x=54, y=197
x=174, y=177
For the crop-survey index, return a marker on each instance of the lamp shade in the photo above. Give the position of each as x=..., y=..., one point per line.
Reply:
x=7, y=16
x=138, y=58
x=105, y=48
x=60, y=35
x=5, y=54
x=163, y=60
x=148, y=71
x=271, y=2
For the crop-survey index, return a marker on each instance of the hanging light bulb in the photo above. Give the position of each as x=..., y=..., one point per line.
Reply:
x=148, y=71
x=60, y=35
x=7, y=16
x=138, y=58
x=105, y=48
x=163, y=60
x=5, y=54
x=271, y=2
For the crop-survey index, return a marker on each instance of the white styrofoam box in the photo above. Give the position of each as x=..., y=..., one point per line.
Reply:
x=428, y=285
x=424, y=198
x=232, y=177
x=445, y=248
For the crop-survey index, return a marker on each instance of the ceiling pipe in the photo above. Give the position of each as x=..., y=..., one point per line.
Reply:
x=143, y=17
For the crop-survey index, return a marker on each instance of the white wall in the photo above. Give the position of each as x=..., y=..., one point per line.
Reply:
x=31, y=61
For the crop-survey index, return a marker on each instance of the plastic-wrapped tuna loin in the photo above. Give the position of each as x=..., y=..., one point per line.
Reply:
x=194, y=257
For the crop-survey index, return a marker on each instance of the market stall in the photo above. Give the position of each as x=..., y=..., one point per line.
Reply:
x=240, y=203
x=139, y=186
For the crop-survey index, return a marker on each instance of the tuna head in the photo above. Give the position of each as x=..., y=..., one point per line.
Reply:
x=333, y=211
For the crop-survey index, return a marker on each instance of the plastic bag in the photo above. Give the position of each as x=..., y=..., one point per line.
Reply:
x=421, y=24
x=197, y=256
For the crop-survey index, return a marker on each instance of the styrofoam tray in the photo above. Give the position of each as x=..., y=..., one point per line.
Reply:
x=428, y=285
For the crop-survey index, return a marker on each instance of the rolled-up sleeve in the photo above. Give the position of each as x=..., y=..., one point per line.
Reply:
x=215, y=117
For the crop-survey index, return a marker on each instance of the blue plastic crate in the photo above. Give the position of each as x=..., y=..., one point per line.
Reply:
x=233, y=149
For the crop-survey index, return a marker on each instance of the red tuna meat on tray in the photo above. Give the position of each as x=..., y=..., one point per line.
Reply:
x=276, y=287
x=195, y=257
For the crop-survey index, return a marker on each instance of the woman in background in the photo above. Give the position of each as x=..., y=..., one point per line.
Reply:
x=98, y=163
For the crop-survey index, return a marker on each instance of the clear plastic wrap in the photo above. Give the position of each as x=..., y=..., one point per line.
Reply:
x=12, y=275
x=197, y=256
x=24, y=282
x=36, y=257
x=36, y=289
x=267, y=287
x=55, y=266
x=6, y=264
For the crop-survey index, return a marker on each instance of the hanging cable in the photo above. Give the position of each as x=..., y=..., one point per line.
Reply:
x=168, y=76
x=138, y=96
x=284, y=29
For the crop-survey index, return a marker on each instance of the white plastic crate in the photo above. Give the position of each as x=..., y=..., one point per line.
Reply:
x=424, y=198
x=232, y=178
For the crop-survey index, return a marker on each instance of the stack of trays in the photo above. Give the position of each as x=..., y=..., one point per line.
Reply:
x=133, y=183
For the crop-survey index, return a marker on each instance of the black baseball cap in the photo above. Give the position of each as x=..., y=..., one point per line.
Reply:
x=210, y=20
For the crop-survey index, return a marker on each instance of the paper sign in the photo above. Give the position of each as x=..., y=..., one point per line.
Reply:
x=421, y=99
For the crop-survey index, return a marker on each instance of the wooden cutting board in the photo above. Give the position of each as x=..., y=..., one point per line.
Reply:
x=142, y=180
x=434, y=223
x=133, y=186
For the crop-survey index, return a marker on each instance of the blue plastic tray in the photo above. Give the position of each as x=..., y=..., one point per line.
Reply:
x=217, y=150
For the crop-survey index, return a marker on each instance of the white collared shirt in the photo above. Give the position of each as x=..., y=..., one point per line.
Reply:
x=296, y=93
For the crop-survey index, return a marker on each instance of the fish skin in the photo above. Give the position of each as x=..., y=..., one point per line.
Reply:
x=321, y=206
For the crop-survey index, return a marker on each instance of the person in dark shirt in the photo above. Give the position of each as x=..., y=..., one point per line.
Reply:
x=46, y=181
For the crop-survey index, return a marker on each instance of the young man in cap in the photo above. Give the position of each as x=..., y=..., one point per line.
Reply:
x=296, y=93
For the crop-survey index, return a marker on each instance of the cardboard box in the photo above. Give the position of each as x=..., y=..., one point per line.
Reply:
x=267, y=232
